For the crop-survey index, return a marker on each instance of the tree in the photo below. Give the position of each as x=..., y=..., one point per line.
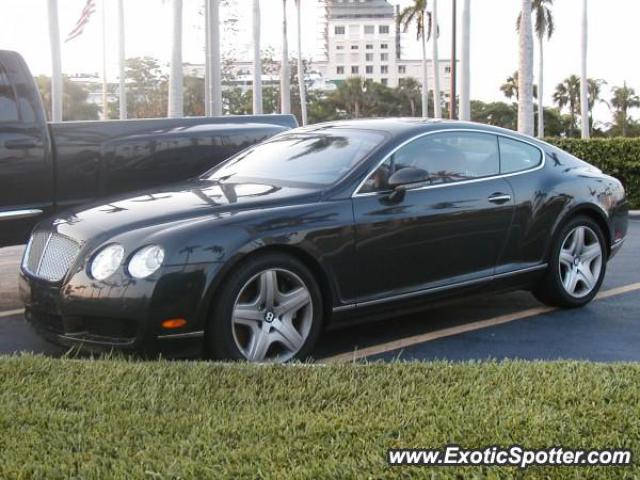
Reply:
x=213, y=74
x=75, y=104
x=147, y=88
x=544, y=27
x=408, y=92
x=417, y=12
x=257, y=63
x=350, y=94
x=595, y=95
x=56, y=98
x=433, y=31
x=584, y=81
x=624, y=98
x=568, y=94
x=301, y=84
x=285, y=89
x=510, y=87
x=525, y=71
x=175, y=104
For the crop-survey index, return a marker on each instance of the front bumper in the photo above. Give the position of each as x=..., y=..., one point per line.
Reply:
x=123, y=313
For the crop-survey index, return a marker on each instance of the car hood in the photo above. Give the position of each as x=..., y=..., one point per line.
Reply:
x=176, y=203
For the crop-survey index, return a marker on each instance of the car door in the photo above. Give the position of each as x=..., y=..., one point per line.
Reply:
x=446, y=231
x=26, y=176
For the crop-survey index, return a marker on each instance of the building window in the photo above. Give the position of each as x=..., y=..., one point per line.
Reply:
x=369, y=69
x=339, y=47
x=402, y=69
x=384, y=46
x=384, y=29
x=354, y=29
x=355, y=70
x=354, y=47
x=369, y=29
x=384, y=57
x=447, y=69
x=369, y=57
x=339, y=30
x=384, y=69
x=340, y=70
x=384, y=81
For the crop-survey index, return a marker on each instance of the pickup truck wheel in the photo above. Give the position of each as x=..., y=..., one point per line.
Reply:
x=269, y=310
x=577, y=265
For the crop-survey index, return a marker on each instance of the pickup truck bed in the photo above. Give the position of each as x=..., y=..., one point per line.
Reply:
x=48, y=166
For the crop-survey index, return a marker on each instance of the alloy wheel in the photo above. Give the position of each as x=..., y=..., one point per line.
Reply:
x=272, y=316
x=580, y=261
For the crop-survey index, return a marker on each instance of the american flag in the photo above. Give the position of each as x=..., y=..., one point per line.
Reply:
x=88, y=9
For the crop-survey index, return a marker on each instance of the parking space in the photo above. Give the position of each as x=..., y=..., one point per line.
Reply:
x=512, y=325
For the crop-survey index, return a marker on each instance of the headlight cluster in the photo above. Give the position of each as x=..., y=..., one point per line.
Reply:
x=142, y=264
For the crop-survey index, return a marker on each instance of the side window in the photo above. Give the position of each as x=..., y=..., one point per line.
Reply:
x=446, y=157
x=516, y=156
x=8, y=104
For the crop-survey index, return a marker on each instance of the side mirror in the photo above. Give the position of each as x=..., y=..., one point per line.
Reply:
x=404, y=178
x=407, y=176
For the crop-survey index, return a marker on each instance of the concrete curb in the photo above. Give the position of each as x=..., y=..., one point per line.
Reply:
x=634, y=213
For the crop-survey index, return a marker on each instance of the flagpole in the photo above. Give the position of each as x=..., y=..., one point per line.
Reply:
x=105, y=114
x=121, y=61
x=56, y=62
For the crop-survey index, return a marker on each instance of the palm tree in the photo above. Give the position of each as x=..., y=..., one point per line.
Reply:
x=525, y=71
x=56, y=62
x=175, y=105
x=568, y=94
x=433, y=27
x=257, y=60
x=352, y=95
x=584, y=81
x=511, y=89
x=417, y=12
x=595, y=96
x=285, y=93
x=213, y=72
x=465, y=84
x=122, y=92
x=301, y=85
x=624, y=99
x=544, y=27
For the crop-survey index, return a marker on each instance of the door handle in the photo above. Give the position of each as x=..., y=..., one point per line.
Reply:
x=500, y=198
x=21, y=144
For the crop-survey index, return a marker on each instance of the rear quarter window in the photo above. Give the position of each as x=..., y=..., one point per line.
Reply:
x=8, y=103
x=516, y=156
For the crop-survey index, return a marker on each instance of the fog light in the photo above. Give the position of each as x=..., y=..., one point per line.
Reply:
x=174, y=323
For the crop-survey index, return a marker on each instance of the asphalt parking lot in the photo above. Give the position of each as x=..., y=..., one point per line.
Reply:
x=512, y=325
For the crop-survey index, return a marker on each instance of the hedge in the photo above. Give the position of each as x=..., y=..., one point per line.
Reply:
x=619, y=157
x=66, y=418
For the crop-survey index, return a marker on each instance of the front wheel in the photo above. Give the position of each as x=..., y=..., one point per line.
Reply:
x=577, y=265
x=269, y=310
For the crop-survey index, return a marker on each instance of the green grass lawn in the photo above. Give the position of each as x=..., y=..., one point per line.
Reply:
x=130, y=419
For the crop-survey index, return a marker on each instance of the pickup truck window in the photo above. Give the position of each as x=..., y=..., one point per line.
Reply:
x=8, y=103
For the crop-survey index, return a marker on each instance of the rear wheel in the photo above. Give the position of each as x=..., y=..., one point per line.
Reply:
x=577, y=265
x=269, y=310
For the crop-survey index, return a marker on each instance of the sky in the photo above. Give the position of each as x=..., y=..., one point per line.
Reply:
x=613, y=34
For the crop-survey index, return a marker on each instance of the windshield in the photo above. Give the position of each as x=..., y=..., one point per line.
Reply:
x=308, y=159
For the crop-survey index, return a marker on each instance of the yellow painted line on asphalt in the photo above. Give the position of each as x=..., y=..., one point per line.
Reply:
x=459, y=329
x=11, y=313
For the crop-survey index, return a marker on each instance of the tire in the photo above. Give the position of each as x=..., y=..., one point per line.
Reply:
x=269, y=309
x=575, y=273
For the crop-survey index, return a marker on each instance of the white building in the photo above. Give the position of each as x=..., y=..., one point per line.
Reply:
x=363, y=39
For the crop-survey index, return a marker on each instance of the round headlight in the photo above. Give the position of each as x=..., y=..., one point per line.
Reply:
x=146, y=261
x=107, y=262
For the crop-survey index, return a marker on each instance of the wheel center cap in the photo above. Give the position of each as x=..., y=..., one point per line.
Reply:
x=576, y=261
x=269, y=316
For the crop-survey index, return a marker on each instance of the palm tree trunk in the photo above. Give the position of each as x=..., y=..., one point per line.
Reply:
x=303, y=95
x=56, y=62
x=541, y=87
x=214, y=81
x=525, y=73
x=584, y=86
x=175, y=107
x=285, y=89
x=425, y=77
x=437, y=105
x=122, y=90
x=465, y=87
x=257, y=60
x=103, y=27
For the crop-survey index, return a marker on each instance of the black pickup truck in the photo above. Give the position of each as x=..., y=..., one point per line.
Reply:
x=47, y=166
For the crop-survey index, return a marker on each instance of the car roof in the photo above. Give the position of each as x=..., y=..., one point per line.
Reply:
x=410, y=125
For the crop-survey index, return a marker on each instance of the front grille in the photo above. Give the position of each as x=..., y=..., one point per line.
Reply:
x=49, y=255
